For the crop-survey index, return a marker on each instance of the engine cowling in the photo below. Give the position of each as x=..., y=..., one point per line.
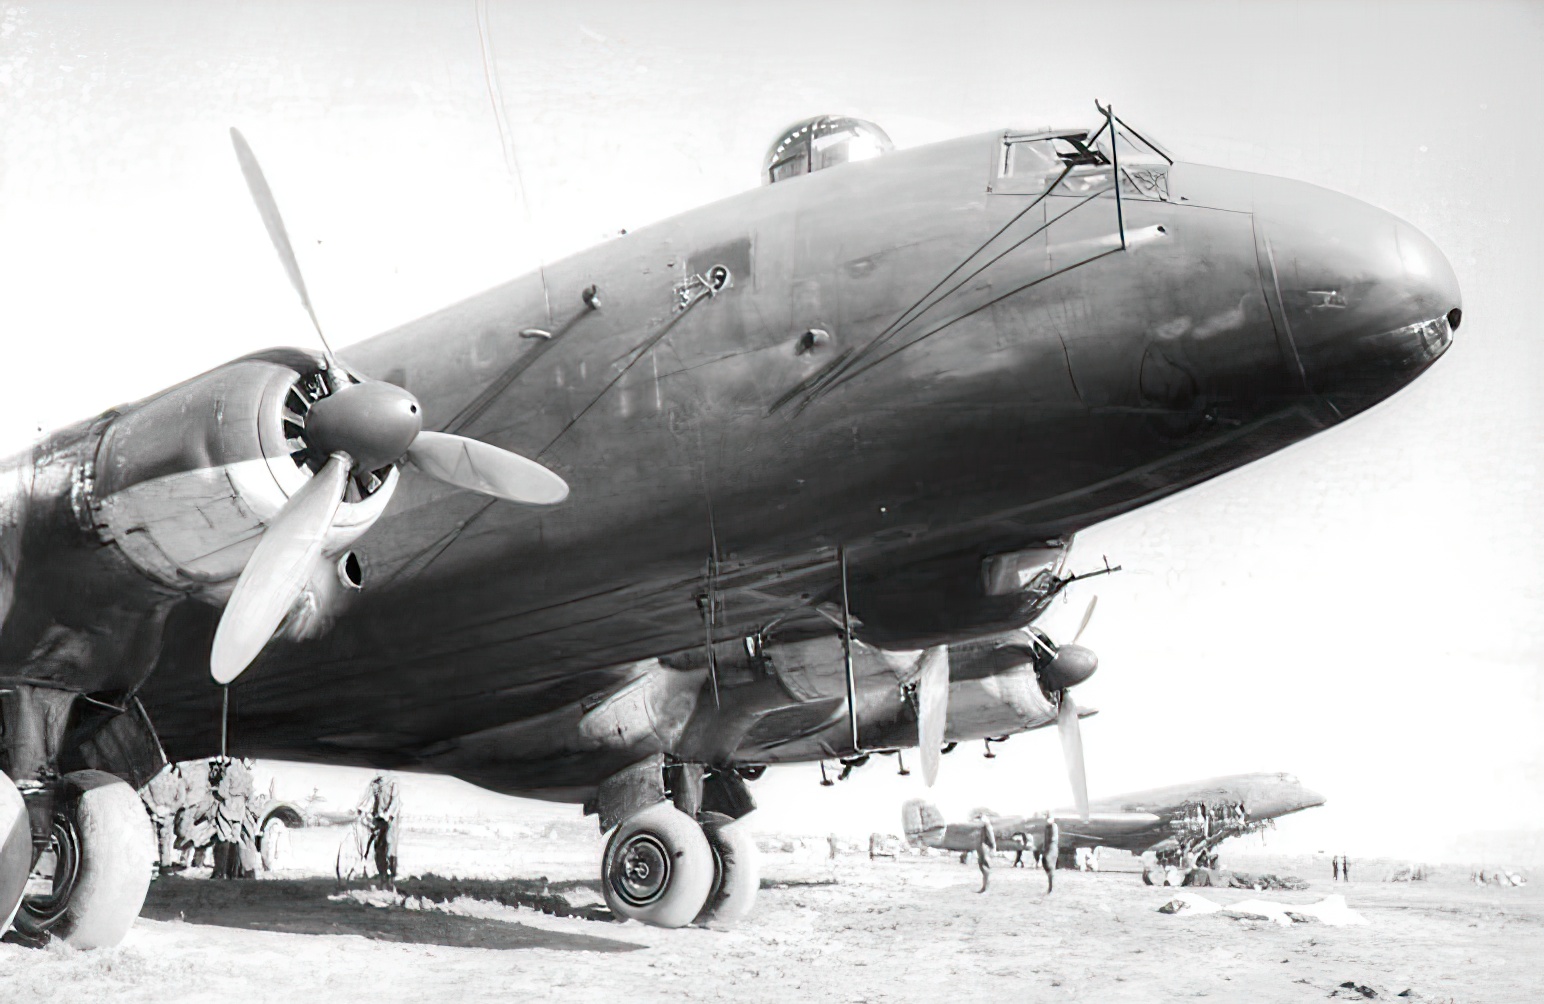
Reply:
x=185, y=481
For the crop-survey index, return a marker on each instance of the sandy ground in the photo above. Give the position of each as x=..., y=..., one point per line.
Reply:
x=912, y=929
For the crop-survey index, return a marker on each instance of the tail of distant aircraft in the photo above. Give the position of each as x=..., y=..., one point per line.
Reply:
x=922, y=823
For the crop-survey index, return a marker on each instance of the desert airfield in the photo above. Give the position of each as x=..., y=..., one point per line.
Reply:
x=906, y=929
x=121, y=172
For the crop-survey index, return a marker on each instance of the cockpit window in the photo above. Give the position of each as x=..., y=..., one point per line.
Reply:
x=822, y=142
x=1082, y=161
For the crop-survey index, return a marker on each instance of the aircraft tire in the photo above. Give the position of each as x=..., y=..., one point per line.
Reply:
x=15, y=851
x=736, y=872
x=106, y=853
x=658, y=867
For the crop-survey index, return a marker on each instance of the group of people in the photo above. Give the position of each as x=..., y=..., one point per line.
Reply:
x=1045, y=851
x=209, y=811
x=1205, y=821
x=1341, y=866
x=204, y=809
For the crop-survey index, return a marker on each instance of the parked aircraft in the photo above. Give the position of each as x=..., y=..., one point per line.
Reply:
x=727, y=491
x=1181, y=822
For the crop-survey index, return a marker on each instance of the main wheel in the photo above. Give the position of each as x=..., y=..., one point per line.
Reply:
x=736, y=872
x=15, y=850
x=658, y=867
x=103, y=852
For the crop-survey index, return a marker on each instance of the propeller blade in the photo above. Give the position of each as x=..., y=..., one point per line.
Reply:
x=478, y=467
x=1072, y=750
x=932, y=709
x=277, y=572
x=268, y=208
x=1088, y=615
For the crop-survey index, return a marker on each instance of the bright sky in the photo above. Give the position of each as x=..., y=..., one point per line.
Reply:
x=1362, y=609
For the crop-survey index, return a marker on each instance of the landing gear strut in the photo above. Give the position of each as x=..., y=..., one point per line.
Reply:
x=96, y=868
x=76, y=858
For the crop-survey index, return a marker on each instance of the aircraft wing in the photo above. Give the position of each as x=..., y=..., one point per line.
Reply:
x=1125, y=830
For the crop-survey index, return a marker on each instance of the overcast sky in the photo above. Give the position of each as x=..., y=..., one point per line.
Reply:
x=1362, y=609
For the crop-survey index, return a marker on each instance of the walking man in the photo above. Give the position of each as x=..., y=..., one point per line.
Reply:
x=1050, y=849
x=986, y=844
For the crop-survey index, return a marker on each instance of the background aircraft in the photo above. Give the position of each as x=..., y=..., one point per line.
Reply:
x=1176, y=821
x=817, y=435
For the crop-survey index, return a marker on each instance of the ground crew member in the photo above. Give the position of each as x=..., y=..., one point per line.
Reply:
x=163, y=797
x=380, y=813
x=986, y=844
x=195, y=821
x=1049, y=851
x=235, y=820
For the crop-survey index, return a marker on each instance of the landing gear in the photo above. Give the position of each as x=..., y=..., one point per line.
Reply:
x=15, y=850
x=678, y=854
x=658, y=867
x=736, y=871
x=96, y=868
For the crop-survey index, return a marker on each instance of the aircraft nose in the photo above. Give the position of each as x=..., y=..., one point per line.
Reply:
x=1367, y=301
x=1308, y=799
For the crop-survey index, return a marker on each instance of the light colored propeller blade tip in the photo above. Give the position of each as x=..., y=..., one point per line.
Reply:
x=229, y=657
x=481, y=467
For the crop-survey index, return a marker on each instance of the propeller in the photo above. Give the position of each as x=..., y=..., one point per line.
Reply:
x=1064, y=667
x=361, y=428
x=932, y=709
x=1071, y=734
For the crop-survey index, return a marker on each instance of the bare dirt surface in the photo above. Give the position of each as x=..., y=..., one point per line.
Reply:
x=910, y=929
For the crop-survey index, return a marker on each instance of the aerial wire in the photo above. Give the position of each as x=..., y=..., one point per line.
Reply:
x=507, y=145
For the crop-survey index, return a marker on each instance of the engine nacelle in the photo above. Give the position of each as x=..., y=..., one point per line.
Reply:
x=184, y=482
x=810, y=719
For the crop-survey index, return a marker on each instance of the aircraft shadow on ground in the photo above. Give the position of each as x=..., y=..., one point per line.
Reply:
x=303, y=906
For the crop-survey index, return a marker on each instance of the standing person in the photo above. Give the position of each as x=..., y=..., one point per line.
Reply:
x=235, y=819
x=1020, y=845
x=195, y=821
x=1335, y=867
x=986, y=844
x=1345, y=868
x=1050, y=849
x=380, y=813
x=163, y=797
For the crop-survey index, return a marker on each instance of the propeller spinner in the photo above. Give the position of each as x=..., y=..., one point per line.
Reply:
x=360, y=428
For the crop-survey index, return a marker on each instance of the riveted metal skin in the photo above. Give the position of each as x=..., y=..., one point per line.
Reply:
x=1054, y=381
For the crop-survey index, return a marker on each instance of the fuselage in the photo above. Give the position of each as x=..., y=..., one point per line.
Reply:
x=1134, y=822
x=918, y=362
